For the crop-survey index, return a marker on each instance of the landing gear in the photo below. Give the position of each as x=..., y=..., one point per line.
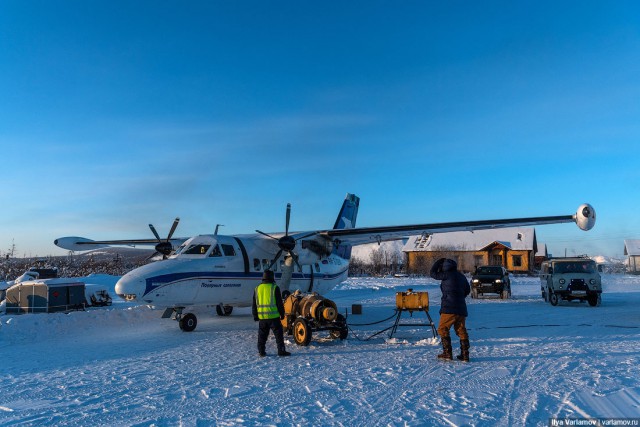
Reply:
x=188, y=322
x=224, y=310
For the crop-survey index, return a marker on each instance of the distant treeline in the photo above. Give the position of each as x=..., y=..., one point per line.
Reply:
x=71, y=266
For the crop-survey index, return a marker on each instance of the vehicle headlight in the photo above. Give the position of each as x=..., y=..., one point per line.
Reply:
x=475, y=281
x=561, y=281
x=498, y=281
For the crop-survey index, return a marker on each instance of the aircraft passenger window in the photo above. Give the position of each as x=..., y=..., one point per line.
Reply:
x=256, y=264
x=197, y=249
x=228, y=250
x=216, y=251
x=265, y=264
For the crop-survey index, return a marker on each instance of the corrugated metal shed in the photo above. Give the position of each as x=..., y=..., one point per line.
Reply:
x=520, y=238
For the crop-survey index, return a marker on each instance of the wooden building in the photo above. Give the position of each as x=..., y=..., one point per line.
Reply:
x=632, y=251
x=512, y=248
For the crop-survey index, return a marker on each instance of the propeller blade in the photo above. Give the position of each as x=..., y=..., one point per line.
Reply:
x=155, y=233
x=275, y=259
x=307, y=235
x=265, y=234
x=286, y=229
x=173, y=228
x=295, y=259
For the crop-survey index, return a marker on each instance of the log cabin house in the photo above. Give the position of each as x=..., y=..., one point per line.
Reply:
x=512, y=248
x=632, y=252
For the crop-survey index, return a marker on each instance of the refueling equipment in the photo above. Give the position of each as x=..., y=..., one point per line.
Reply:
x=309, y=312
x=412, y=301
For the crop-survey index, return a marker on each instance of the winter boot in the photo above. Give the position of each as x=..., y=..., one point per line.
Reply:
x=464, y=351
x=446, y=349
x=283, y=352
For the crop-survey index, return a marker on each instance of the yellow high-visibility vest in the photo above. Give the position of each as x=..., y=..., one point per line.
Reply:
x=266, y=301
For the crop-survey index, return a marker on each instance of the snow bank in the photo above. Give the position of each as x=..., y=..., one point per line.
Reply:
x=530, y=362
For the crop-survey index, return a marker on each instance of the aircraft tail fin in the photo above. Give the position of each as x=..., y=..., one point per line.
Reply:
x=346, y=219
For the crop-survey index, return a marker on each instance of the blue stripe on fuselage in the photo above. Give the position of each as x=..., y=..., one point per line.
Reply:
x=156, y=282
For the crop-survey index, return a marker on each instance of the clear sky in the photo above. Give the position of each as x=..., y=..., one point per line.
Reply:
x=114, y=114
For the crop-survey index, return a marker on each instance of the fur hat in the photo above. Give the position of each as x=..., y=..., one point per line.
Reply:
x=268, y=277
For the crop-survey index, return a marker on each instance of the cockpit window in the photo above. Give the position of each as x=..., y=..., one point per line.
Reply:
x=228, y=250
x=197, y=250
x=216, y=251
x=181, y=248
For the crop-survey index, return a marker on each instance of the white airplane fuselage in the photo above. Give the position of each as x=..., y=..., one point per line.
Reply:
x=224, y=270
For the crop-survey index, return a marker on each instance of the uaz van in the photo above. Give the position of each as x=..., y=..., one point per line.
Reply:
x=570, y=279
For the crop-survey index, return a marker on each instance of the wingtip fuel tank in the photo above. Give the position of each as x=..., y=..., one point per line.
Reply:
x=585, y=217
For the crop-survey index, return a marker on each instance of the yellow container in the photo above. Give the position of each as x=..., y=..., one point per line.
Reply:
x=412, y=300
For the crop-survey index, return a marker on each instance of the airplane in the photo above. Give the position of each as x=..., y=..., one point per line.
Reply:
x=223, y=270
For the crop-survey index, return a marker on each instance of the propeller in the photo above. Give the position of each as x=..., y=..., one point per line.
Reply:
x=286, y=243
x=164, y=247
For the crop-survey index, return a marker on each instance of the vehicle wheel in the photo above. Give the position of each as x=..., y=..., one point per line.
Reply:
x=339, y=334
x=544, y=296
x=343, y=332
x=592, y=300
x=504, y=294
x=188, y=322
x=301, y=332
x=553, y=298
x=225, y=310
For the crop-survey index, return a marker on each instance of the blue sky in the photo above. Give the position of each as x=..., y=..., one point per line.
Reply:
x=117, y=114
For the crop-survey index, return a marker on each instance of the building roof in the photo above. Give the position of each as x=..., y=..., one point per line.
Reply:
x=632, y=247
x=542, y=250
x=518, y=239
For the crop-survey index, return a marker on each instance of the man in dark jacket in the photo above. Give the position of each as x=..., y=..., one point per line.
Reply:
x=267, y=308
x=453, y=309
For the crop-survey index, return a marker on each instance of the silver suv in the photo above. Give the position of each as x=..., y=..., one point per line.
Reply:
x=570, y=279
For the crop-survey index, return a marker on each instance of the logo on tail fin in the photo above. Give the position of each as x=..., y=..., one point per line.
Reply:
x=346, y=219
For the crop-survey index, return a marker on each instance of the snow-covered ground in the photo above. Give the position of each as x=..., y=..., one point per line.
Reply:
x=530, y=362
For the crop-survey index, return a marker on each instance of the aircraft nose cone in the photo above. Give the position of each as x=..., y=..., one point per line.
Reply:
x=130, y=288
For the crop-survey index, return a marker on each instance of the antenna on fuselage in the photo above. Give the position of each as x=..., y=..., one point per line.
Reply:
x=215, y=233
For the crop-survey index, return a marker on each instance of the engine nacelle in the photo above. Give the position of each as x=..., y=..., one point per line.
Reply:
x=585, y=217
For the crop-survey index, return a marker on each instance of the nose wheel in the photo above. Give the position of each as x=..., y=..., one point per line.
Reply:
x=188, y=322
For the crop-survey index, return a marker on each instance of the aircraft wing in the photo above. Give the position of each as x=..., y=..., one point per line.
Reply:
x=585, y=218
x=74, y=243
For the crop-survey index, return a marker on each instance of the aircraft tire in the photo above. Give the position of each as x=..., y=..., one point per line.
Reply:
x=225, y=310
x=188, y=322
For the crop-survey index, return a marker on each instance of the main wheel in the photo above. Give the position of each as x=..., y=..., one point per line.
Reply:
x=188, y=322
x=553, y=298
x=592, y=300
x=225, y=310
x=301, y=332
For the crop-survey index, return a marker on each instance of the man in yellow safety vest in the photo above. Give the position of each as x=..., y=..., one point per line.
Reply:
x=268, y=309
